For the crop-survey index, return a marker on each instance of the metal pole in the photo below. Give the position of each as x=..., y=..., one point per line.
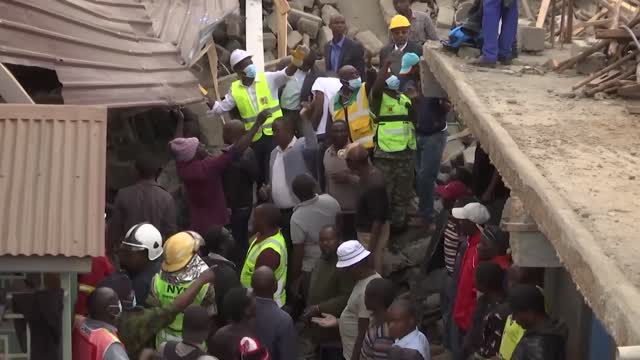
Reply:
x=67, y=321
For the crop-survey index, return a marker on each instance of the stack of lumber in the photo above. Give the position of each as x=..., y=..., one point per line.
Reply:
x=619, y=43
x=565, y=21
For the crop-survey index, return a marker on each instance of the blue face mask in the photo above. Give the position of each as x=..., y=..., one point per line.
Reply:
x=355, y=84
x=251, y=71
x=393, y=82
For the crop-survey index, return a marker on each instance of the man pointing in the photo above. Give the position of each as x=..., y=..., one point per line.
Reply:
x=254, y=92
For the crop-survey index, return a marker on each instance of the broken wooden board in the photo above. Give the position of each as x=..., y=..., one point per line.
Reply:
x=615, y=34
x=630, y=91
x=542, y=15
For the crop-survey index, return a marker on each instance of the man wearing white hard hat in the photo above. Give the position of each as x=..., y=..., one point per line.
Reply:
x=354, y=320
x=255, y=92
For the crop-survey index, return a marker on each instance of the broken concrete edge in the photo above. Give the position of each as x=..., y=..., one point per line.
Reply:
x=609, y=293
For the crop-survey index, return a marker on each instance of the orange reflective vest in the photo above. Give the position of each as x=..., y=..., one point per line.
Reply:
x=91, y=344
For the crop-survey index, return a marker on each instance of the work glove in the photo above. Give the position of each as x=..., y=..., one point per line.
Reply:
x=298, y=55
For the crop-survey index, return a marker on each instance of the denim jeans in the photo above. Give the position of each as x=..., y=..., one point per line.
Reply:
x=428, y=159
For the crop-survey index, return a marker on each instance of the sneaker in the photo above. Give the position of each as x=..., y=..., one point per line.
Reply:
x=480, y=62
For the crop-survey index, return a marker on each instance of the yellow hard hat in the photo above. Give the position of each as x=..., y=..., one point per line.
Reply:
x=179, y=250
x=399, y=21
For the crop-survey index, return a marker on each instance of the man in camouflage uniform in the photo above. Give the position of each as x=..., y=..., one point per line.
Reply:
x=395, y=140
x=137, y=326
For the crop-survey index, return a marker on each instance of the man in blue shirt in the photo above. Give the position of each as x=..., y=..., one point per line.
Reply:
x=431, y=134
x=341, y=50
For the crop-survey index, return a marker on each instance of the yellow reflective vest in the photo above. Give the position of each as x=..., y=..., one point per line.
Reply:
x=265, y=100
x=277, y=244
x=167, y=293
x=395, y=131
x=358, y=116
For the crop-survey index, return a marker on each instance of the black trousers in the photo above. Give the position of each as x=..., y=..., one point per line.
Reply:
x=239, y=226
x=262, y=149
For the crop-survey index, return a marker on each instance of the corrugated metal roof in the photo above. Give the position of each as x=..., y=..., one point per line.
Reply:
x=117, y=53
x=52, y=180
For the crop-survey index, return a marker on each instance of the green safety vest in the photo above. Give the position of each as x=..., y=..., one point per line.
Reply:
x=277, y=244
x=167, y=293
x=395, y=131
x=265, y=101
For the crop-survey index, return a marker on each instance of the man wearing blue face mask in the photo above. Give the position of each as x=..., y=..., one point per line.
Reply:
x=255, y=92
x=395, y=142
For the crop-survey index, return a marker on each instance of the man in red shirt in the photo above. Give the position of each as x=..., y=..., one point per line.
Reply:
x=202, y=175
x=471, y=217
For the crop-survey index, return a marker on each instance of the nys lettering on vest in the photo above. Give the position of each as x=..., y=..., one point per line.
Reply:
x=175, y=289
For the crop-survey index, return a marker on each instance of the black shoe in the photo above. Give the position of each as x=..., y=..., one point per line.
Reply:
x=483, y=63
x=505, y=61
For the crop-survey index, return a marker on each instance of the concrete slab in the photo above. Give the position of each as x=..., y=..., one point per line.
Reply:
x=328, y=12
x=554, y=153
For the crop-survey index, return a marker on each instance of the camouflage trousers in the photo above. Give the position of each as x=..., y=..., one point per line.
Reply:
x=399, y=175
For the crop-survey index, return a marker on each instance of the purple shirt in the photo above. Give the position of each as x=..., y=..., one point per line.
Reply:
x=203, y=182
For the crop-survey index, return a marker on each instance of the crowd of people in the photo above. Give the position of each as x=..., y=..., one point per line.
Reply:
x=282, y=234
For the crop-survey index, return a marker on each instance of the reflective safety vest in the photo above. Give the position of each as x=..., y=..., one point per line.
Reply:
x=395, y=131
x=248, y=113
x=277, y=244
x=88, y=343
x=360, y=124
x=167, y=293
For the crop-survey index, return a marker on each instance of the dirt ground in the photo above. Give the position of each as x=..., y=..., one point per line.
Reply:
x=589, y=150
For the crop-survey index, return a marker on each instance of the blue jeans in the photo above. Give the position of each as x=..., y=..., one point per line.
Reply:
x=498, y=47
x=428, y=159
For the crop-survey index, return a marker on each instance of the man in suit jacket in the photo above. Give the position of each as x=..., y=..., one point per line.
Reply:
x=400, y=28
x=341, y=51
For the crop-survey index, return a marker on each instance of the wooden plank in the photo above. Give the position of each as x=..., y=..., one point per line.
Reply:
x=254, y=32
x=10, y=88
x=544, y=8
x=581, y=26
x=630, y=91
x=282, y=8
x=616, y=34
x=212, y=55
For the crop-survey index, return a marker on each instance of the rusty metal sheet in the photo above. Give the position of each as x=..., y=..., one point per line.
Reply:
x=52, y=180
x=118, y=53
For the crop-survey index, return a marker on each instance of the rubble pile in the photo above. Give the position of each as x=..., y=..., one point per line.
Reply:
x=308, y=24
x=607, y=51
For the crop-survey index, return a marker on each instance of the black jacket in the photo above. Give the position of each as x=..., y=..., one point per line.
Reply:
x=547, y=342
x=412, y=47
x=352, y=54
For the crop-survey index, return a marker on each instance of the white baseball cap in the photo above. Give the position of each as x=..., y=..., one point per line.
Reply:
x=350, y=253
x=474, y=212
x=237, y=56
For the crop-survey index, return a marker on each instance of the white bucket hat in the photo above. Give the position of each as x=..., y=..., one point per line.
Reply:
x=350, y=253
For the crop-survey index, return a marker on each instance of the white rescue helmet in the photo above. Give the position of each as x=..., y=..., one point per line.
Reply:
x=145, y=236
x=237, y=56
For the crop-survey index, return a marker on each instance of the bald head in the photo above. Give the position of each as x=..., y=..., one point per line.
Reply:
x=348, y=72
x=357, y=158
x=232, y=131
x=264, y=282
x=103, y=305
x=266, y=217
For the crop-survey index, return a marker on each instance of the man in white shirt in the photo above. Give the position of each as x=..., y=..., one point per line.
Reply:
x=323, y=89
x=249, y=96
x=402, y=321
x=354, y=320
x=292, y=157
